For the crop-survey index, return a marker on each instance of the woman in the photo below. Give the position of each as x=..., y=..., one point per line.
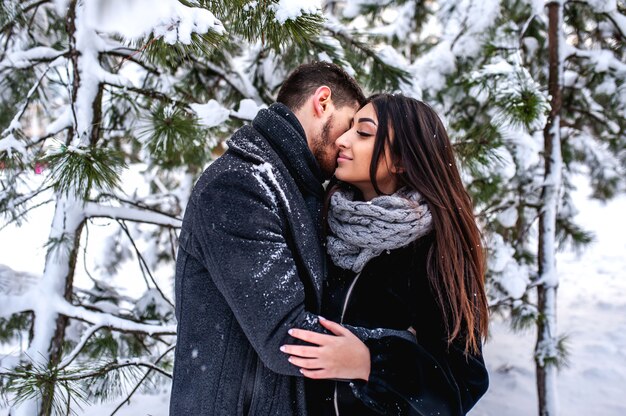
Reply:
x=405, y=253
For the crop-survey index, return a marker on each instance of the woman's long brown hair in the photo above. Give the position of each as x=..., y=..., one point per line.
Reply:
x=419, y=145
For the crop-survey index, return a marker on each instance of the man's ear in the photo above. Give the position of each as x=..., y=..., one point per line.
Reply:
x=321, y=100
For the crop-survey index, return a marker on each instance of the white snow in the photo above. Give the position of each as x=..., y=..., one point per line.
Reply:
x=11, y=145
x=248, y=109
x=24, y=59
x=465, y=22
x=268, y=171
x=353, y=7
x=211, y=114
x=508, y=217
x=603, y=6
x=431, y=68
x=62, y=122
x=169, y=19
x=292, y=9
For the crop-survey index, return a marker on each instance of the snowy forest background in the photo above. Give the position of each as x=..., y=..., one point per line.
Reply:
x=111, y=109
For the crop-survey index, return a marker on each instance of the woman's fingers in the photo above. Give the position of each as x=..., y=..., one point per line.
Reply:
x=316, y=374
x=310, y=336
x=334, y=327
x=308, y=363
x=301, y=351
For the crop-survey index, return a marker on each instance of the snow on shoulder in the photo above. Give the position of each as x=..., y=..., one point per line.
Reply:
x=265, y=171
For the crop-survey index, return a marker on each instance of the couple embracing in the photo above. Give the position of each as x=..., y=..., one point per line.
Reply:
x=363, y=298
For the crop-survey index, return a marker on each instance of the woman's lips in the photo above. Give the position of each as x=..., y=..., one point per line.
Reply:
x=343, y=158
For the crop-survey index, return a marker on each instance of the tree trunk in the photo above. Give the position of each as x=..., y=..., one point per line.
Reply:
x=49, y=326
x=64, y=286
x=546, y=351
x=45, y=348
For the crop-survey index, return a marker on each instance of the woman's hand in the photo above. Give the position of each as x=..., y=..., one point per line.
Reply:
x=341, y=356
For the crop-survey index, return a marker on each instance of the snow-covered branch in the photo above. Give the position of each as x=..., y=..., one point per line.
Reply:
x=64, y=121
x=157, y=95
x=170, y=20
x=239, y=82
x=79, y=347
x=603, y=60
x=147, y=216
x=31, y=57
x=113, y=322
x=609, y=9
x=619, y=21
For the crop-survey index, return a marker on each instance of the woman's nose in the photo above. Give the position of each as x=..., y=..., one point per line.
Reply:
x=342, y=141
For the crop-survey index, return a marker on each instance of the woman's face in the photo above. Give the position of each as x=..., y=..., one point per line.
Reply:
x=356, y=148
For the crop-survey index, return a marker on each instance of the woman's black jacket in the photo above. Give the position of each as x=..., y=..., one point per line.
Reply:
x=427, y=378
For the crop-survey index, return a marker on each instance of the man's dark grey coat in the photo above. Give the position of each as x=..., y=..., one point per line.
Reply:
x=249, y=267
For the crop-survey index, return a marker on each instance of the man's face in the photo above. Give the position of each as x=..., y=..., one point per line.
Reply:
x=323, y=145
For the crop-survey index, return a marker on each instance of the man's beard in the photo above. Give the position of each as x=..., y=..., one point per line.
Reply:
x=324, y=150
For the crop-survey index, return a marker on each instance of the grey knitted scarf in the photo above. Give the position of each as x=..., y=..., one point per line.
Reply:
x=362, y=230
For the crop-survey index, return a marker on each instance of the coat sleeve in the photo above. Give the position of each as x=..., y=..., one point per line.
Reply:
x=426, y=378
x=241, y=239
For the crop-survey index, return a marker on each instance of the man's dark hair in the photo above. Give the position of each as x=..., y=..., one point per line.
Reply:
x=307, y=78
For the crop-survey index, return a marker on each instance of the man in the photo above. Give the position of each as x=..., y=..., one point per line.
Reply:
x=250, y=263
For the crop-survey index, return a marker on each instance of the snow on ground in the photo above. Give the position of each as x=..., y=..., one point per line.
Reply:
x=592, y=311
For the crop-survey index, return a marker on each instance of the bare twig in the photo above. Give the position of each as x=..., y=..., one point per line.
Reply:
x=127, y=400
x=143, y=264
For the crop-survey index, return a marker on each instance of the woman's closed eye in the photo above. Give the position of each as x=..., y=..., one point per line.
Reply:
x=364, y=134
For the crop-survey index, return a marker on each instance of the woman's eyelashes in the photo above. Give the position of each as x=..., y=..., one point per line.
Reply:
x=364, y=134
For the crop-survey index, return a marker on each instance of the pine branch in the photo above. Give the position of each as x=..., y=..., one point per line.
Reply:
x=131, y=57
x=155, y=199
x=157, y=95
x=573, y=52
x=246, y=89
x=113, y=366
x=609, y=15
x=390, y=74
x=15, y=122
x=69, y=358
x=23, y=303
x=30, y=381
x=613, y=18
x=25, y=9
x=144, y=215
x=127, y=400
x=30, y=62
x=77, y=170
x=16, y=218
x=526, y=26
x=113, y=322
